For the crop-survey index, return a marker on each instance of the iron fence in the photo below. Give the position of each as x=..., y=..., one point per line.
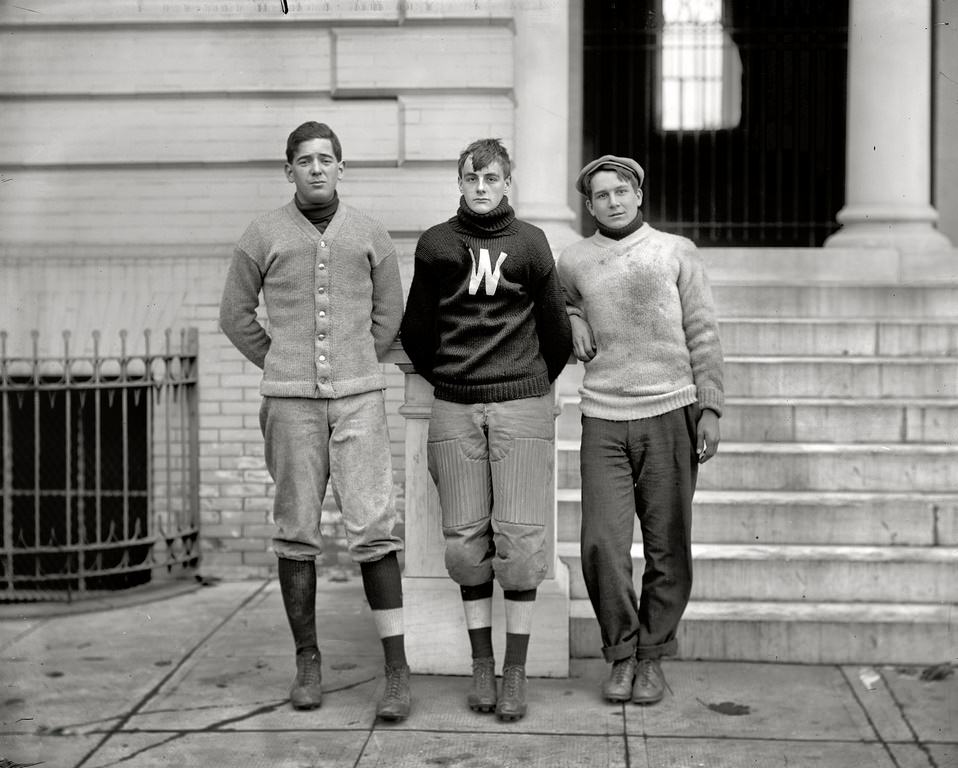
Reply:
x=99, y=483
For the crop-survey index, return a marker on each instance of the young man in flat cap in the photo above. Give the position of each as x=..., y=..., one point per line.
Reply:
x=644, y=325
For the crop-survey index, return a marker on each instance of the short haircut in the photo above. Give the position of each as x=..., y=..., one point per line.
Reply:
x=484, y=153
x=312, y=130
x=621, y=175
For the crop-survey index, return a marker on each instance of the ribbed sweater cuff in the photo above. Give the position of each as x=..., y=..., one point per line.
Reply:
x=713, y=399
x=499, y=392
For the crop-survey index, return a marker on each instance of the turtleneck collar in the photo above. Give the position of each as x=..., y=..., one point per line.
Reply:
x=319, y=214
x=622, y=232
x=494, y=222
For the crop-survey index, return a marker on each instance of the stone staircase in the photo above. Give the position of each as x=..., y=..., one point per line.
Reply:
x=826, y=530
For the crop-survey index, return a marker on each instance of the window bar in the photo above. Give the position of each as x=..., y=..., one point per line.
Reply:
x=194, y=433
x=738, y=139
x=82, y=538
x=36, y=450
x=125, y=428
x=147, y=392
x=68, y=457
x=167, y=428
x=7, y=441
x=185, y=467
x=97, y=449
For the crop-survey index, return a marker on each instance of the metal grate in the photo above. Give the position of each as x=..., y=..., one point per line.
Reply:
x=739, y=123
x=99, y=484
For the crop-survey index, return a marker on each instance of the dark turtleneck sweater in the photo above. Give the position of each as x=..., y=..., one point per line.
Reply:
x=485, y=319
x=621, y=232
x=319, y=214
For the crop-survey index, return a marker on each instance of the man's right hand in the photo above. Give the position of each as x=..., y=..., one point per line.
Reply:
x=583, y=342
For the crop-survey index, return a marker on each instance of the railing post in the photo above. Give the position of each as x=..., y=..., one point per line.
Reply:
x=436, y=637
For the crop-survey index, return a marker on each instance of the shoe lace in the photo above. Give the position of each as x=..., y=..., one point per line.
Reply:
x=308, y=666
x=622, y=672
x=483, y=674
x=394, y=683
x=511, y=682
x=646, y=668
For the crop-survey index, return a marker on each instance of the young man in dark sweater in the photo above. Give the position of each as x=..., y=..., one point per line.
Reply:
x=330, y=280
x=486, y=325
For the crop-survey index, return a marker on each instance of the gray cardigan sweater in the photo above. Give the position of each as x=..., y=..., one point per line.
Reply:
x=334, y=302
x=648, y=302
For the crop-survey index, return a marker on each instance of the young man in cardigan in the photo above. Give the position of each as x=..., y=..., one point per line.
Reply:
x=643, y=323
x=486, y=324
x=330, y=281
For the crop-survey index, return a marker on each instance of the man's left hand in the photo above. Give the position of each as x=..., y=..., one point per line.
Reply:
x=708, y=435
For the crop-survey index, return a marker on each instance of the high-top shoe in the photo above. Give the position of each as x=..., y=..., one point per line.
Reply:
x=397, y=698
x=306, y=691
x=512, y=700
x=482, y=697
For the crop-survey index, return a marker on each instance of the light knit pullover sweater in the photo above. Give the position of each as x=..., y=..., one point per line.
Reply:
x=334, y=301
x=648, y=302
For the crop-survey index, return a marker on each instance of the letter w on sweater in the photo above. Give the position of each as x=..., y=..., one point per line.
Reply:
x=482, y=267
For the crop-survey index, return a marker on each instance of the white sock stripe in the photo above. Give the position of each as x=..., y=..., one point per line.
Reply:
x=519, y=616
x=389, y=623
x=478, y=613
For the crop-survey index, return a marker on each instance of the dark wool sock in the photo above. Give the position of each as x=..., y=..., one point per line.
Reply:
x=478, y=592
x=480, y=638
x=520, y=595
x=517, y=648
x=297, y=582
x=382, y=583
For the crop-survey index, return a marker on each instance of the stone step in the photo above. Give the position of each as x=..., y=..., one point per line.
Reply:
x=834, y=301
x=804, y=632
x=819, y=518
x=810, y=467
x=819, y=419
x=846, y=377
x=794, y=572
x=858, y=337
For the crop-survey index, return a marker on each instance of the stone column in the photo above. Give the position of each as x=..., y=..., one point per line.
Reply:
x=436, y=637
x=888, y=154
x=543, y=179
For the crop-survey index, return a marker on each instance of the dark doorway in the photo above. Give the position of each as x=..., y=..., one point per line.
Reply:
x=735, y=108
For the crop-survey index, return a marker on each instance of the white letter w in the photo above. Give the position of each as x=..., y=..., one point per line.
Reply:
x=483, y=267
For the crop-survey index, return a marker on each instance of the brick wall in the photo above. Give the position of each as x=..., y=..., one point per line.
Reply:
x=139, y=137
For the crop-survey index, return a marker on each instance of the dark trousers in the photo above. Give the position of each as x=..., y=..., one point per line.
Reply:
x=644, y=468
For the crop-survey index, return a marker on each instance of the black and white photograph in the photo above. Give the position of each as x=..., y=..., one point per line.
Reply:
x=479, y=383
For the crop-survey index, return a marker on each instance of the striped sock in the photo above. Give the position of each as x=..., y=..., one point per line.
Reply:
x=477, y=606
x=519, y=606
x=382, y=584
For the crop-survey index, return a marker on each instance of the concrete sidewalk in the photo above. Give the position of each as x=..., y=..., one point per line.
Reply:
x=199, y=679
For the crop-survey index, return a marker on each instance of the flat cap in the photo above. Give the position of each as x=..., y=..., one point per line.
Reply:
x=612, y=163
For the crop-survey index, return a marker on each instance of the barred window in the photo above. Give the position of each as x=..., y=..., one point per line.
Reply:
x=700, y=86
